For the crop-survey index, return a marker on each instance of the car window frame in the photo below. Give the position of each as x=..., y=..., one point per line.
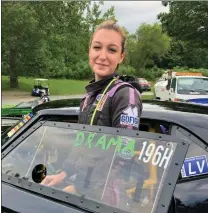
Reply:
x=173, y=84
x=192, y=139
x=170, y=181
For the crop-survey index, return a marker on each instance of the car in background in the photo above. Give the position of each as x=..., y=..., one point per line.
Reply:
x=11, y=115
x=41, y=87
x=182, y=87
x=21, y=109
x=144, y=84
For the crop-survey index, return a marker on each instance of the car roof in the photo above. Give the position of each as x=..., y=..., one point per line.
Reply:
x=148, y=106
x=191, y=116
x=41, y=79
x=191, y=77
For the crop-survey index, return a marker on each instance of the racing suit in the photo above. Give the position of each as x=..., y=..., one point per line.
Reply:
x=121, y=105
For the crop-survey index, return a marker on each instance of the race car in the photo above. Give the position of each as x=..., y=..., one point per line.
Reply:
x=144, y=84
x=23, y=108
x=11, y=115
x=182, y=87
x=162, y=168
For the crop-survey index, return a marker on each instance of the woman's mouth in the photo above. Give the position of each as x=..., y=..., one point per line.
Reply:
x=103, y=65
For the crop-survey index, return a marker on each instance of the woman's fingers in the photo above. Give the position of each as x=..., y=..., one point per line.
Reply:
x=47, y=180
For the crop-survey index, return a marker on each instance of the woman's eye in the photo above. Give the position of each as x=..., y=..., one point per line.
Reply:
x=96, y=47
x=112, y=50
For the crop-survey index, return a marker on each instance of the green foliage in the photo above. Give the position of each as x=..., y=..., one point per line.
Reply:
x=51, y=40
x=81, y=70
x=187, y=21
x=48, y=39
x=94, y=18
x=150, y=74
x=126, y=70
x=147, y=43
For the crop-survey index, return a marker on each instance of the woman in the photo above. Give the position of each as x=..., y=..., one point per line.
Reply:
x=109, y=101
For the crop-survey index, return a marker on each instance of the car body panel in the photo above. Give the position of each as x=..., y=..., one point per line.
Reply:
x=20, y=109
x=196, y=116
x=192, y=118
x=18, y=200
x=192, y=196
x=163, y=195
x=202, y=101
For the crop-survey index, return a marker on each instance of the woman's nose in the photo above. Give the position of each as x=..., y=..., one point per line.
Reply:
x=103, y=54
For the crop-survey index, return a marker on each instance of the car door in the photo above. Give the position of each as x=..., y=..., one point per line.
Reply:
x=191, y=192
x=107, y=169
x=172, y=91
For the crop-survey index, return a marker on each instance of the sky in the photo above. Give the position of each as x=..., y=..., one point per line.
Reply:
x=131, y=14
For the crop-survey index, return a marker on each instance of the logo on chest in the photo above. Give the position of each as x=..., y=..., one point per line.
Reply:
x=100, y=102
x=98, y=97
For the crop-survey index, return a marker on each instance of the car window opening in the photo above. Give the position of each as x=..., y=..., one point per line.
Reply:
x=117, y=179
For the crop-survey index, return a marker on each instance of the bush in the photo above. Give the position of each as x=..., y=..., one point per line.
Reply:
x=81, y=70
x=150, y=74
x=126, y=70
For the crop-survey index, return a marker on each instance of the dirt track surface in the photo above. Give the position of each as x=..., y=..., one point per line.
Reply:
x=9, y=97
x=18, y=97
x=12, y=94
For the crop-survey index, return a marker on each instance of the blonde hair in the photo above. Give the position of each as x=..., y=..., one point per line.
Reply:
x=112, y=25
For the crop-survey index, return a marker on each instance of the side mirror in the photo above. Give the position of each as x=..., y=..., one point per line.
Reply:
x=167, y=87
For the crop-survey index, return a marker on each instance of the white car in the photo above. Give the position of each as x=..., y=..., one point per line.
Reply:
x=182, y=87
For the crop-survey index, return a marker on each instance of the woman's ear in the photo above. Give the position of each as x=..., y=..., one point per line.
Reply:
x=122, y=57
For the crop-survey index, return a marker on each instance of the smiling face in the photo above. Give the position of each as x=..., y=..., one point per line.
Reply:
x=105, y=53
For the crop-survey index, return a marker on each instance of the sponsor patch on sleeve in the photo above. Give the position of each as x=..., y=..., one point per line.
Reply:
x=194, y=166
x=129, y=117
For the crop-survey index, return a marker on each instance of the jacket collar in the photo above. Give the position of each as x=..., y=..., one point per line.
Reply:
x=99, y=85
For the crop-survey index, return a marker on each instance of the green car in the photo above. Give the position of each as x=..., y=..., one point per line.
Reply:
x=20, y=109
x=12, y=115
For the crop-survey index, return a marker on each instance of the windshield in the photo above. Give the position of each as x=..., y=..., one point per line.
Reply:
x=192, y=85
x=123, y=172
x=143, y=81
x=43, y=83
x=28, y=104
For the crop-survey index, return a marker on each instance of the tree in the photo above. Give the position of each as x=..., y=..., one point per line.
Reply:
x=42, y=38
x=48, y=39
x=18, y=25
x=94, y=15
x=187, y=21
x=148, y=42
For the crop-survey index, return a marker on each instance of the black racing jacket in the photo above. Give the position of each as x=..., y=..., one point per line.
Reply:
x=120, y=107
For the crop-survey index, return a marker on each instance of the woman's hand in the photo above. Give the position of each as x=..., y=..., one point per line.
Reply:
x=53, y=180
x=70, y=189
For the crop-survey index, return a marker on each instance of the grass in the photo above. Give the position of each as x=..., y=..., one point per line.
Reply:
x=56, y=86
x=147, y=97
